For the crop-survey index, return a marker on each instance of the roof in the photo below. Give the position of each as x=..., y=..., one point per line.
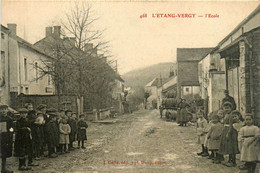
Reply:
x=118, y=77
x=190, y=83
x=170, y=88
x=23, y=42
x=4, y=29
x=192, y=54
x=235, y=43
x=157, y=82
x=250, y=16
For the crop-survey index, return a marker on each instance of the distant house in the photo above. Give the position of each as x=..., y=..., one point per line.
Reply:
x=240, y=50
x=20, y=63
x=187, y=70
x=152, y=88
x=118, y=93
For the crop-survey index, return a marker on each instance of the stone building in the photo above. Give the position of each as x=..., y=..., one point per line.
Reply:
x=241, y=51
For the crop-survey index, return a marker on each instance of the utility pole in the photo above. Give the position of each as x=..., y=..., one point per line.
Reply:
x=116, y=65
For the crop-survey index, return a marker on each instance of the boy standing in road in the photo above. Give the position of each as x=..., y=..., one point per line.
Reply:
x=6, y=137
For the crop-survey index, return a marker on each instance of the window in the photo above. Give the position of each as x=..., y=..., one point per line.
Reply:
x=26, y=90
x=187, y=89
x=25, y=69
x=2, y=35
x=36, y=72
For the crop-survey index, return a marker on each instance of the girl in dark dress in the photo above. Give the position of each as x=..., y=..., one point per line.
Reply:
x=229, y=136
x=82, y=133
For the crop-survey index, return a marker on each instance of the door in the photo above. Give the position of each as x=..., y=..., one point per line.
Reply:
x=233, y=85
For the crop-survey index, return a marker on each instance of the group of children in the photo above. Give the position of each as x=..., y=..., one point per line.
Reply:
x=40, y=130
x=227, y=133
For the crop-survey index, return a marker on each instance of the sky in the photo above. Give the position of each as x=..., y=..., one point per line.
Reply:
x=134, y=41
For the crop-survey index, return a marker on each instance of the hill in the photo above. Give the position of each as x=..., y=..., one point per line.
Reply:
x=140, y=77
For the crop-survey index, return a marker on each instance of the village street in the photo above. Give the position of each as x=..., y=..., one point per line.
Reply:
x=138, y=142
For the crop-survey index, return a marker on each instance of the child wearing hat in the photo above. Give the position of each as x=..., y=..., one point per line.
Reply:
x=42, y=108
x=73, y=125
x=23, y=138
x=6, y=137
x=37, y=134
x=53, y=133
x=31, y=118
x=65, y=130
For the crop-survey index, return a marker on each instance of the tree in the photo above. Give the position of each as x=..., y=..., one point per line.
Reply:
x=77, y=68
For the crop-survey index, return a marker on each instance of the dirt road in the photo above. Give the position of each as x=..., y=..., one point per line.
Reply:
x=138, y=142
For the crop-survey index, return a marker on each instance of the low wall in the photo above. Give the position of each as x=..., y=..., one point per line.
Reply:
x=98, y=115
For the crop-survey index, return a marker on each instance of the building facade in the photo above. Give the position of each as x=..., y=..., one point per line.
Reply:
x=240, y=50
x=22, y=61
x=187, y=69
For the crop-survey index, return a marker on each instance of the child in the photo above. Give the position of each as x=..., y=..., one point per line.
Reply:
x=37, y=135
x=64, y=135
x=6, y=136
x=23, y=138
x=214, y=135
x=82, y=133
x=207, y=129
x=53, y=134
x=228, y=141
x=239, y=123
x=250, y=136
x=201, y=127
x=73, y=125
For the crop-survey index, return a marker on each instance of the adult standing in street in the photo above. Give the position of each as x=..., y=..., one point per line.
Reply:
x=230, y=99
x=182, y=115
x=6, y=137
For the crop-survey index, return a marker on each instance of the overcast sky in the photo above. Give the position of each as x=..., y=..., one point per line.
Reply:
x=136, y=42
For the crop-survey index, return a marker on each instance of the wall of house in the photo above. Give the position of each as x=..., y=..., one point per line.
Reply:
x=186, y=90
x=4, y=77
x=33, y=84
x=203, y=73
x=256, y=74
x=217, y=85
x=187, y=71
x=14, y=61
x=118, y=94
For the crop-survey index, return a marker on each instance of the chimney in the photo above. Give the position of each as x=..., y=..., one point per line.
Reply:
x=48, y=31
x=12, y=27
x=56, y=31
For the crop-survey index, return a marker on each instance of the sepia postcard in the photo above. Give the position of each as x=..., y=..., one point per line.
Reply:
x=130, y=86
